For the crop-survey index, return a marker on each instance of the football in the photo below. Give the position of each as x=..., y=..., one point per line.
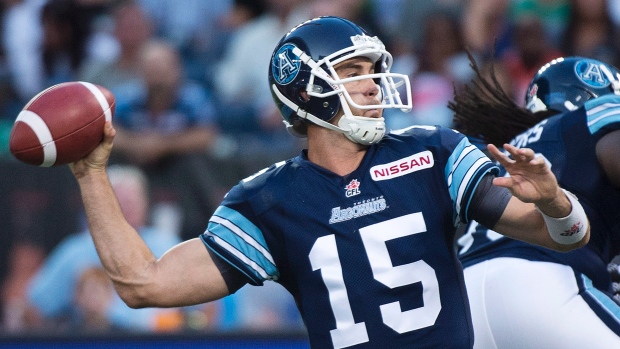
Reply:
x=61, y=124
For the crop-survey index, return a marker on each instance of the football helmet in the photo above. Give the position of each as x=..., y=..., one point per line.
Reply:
x=304, y=61
x=565, y=84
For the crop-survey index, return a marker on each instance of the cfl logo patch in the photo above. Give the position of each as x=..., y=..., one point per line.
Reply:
x=352, y=188
x=285, y=65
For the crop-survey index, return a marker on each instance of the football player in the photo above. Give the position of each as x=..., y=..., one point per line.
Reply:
x=526, y=296
x=360, y=226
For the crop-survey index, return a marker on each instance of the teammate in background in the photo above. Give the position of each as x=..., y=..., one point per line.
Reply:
x=360, y=226
x=525, y=296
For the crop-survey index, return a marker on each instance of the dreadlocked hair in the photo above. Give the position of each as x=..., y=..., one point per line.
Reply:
x=482, y=109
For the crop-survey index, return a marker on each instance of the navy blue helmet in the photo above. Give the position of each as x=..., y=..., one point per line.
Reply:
x=304, y=60
x=565, y=84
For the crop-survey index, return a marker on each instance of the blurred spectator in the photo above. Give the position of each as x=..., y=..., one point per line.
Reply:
x=442, y=60
x=166, y=124
x=46, y=41
x=194, y=28
x=24, y=260
x=38, y=208
x=261, y=308
x=162, y=113
x=246, y=108
x=52, y=291
x=485, y=25
x=590, y=32
x=94, y=294
x=241, y=12
x=66, y=35
x=22, y=37
x=132, y=29
x=552, y=14
x=358, y=11
x=406, y=17
x=520, y=34
x=10, y=103
x=389, y=14
x=531, y=48
x=613, y=8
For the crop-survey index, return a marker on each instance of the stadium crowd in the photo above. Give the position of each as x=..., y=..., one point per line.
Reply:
x=195, y=115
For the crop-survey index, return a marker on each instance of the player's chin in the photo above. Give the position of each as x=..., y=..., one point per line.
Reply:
x=373, y=113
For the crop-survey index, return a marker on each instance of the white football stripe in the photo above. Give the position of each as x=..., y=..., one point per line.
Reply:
x=40, y=129
x=105, y=106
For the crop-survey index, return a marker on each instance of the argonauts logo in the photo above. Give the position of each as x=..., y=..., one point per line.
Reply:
x=360, y=209
x=285, y=65
x=590, y=73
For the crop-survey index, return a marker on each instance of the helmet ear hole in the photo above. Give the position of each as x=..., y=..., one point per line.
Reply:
x=303, y=96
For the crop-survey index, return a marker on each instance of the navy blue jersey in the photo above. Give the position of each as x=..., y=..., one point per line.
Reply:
x=369, y=257
x=568, y=142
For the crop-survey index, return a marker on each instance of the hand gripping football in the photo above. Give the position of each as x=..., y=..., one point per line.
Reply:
x=62, y=124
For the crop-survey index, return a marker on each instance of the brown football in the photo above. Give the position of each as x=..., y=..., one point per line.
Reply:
x=62, y=124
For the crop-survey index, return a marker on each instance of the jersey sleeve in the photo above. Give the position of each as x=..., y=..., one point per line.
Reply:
x=464, y=169
x=234, y=237
x=603, y=115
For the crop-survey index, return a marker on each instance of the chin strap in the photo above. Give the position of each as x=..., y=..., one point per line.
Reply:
x=363, y=130
x=358, y=129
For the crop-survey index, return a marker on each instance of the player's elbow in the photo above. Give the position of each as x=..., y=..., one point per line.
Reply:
x=133, y=297
x=135, y=303
x=134, y=293
x=136, y=298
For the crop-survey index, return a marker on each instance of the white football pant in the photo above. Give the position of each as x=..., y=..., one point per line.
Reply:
x=520, y=304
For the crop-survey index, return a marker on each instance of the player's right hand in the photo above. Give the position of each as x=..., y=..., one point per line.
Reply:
x=97, y=160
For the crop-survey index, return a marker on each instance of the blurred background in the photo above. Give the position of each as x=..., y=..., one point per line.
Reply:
x=194, y=116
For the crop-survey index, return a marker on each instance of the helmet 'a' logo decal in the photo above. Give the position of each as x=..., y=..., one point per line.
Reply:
x=285, y=65
x=591, y=73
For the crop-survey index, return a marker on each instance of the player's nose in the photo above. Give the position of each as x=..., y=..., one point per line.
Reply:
x=369, y=87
